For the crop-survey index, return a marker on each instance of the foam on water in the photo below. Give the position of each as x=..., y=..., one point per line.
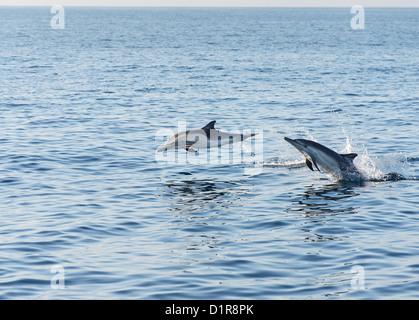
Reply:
x=391, y=166
x=382, y=168
x=284, y=163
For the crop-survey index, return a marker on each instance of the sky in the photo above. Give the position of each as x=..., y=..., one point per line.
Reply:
x=216, y=3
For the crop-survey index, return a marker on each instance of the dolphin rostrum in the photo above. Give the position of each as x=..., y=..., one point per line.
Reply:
x=340, y=166
x=206, y=137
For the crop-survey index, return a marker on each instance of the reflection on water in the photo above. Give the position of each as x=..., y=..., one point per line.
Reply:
x=201, y=215
x=325, y=200
x=192, y=195
x=323, y=207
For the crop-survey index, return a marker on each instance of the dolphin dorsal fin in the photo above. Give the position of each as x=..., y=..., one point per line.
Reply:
x=350, y=156
x=209, y=126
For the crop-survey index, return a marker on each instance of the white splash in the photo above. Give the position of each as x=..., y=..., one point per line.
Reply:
x=387, y=167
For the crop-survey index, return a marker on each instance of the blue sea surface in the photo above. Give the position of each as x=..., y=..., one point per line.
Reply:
x=89, y=210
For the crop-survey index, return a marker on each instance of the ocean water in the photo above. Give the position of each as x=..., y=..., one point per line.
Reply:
x=89, y=210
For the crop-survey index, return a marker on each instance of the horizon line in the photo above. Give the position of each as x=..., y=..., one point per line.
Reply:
x=206, y=6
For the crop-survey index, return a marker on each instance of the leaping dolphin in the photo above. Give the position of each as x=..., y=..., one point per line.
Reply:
x=206, y=137
x=340, y=166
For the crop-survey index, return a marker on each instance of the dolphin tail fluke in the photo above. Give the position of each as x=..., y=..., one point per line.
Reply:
x=249, y=135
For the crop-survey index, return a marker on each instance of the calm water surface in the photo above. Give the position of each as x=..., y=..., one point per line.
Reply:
x=82, y=112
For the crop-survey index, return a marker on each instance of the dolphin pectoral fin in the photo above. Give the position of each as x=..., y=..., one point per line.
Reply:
x=309, y=165
x=315, y=164
x=209, y=126
x=190, y=149
x=189, y=146
x=350, y=156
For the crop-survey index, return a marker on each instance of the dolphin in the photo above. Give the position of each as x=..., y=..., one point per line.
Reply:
x=206, y=137
x=339, y=166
